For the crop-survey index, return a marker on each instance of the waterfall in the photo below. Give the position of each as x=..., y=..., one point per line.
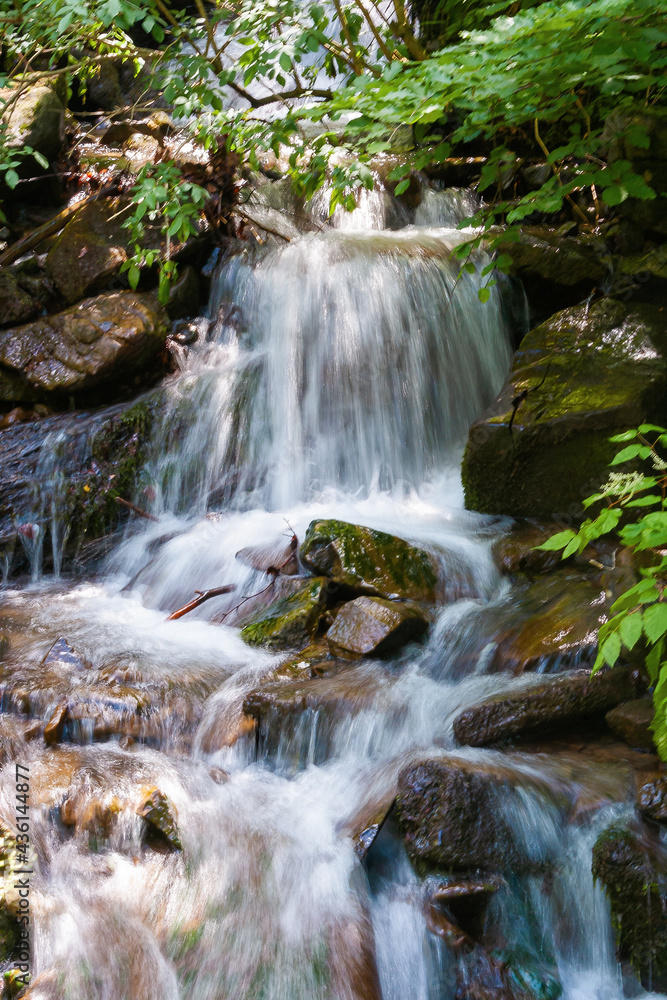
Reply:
x=338, y=378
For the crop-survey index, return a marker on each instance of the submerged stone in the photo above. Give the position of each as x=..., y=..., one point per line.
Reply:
x=368, y=560
x=577, y=379
x=373, y=626
x=290, y=622
x=633, y=873
x=553, y=703
x=631, y=722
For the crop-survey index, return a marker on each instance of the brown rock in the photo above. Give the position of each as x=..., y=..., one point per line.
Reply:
x=110, y=337
x=56, y=724
x=631, y=722
x=553, y=703
x=373, y=626
x=89, y=251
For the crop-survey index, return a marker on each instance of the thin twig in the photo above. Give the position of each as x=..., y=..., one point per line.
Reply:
x=203, y=595
x=136, y=510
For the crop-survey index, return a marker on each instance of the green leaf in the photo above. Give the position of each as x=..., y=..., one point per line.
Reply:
x=631, y=630
x=402, y=186
x=556, y=542
x=632, y=451
x=611, y=648
x=484, y=294
x=655, y=622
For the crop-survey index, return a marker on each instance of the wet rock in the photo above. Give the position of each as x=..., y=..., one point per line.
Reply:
x=553, y=703
x=89, y=251
x=37, y=119
x=463, y=900
x=631, y=722
x=652, y=799
x=551, y=624
x=161, y=817
x=102, y=340
x=55, y=727
x=372, y=626
x=557, y=270
x=276, y=557
x=516, y=551
x=289, y=622
x=577, y=379
x=103, y=89
x=370, y=561
x=16, y=306
x=452, y=818
x=92, y=815
x=633, y=873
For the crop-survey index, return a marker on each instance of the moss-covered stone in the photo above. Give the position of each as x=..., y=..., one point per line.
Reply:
x=552, y=703
x=290, y=622
x=576, y=379
x=633, y=873
x=36, y=119
x=89, y=251
x=161, y=817
x=370, y=561
x=371, y=626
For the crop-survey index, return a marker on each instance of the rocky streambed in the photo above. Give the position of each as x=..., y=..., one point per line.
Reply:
x=373, y=763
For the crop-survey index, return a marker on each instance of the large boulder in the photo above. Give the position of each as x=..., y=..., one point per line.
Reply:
x=557, y=270
x=552, y=703
x=451, y=815
x=108, y=339
x=633, y=872
x=371, y=626
x=369, y=561
x=89, y=250
x=577, y=379
x=36, y=118
x=16, y=305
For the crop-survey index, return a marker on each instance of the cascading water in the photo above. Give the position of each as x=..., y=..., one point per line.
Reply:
x=339, y=378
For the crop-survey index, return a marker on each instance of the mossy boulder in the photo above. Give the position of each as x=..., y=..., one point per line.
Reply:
x=372, y=626
x=553, y=703
x=291, y=622
x=369, y=561
x=577, y=379
x=633, y=872
x=104, y=340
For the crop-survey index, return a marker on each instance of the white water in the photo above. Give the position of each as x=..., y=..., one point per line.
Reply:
x=340, y=379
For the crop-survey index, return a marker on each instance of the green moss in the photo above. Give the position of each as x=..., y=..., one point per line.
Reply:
x=290, y=622
x=374, y=561
x=118, y=451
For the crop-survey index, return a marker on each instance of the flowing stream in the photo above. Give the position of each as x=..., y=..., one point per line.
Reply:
x=339, y=377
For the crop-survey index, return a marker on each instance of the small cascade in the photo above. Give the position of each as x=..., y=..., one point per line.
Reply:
x=337, y=378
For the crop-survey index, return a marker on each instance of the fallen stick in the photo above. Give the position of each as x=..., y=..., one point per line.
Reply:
x=204, y=595
x=136, y=510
